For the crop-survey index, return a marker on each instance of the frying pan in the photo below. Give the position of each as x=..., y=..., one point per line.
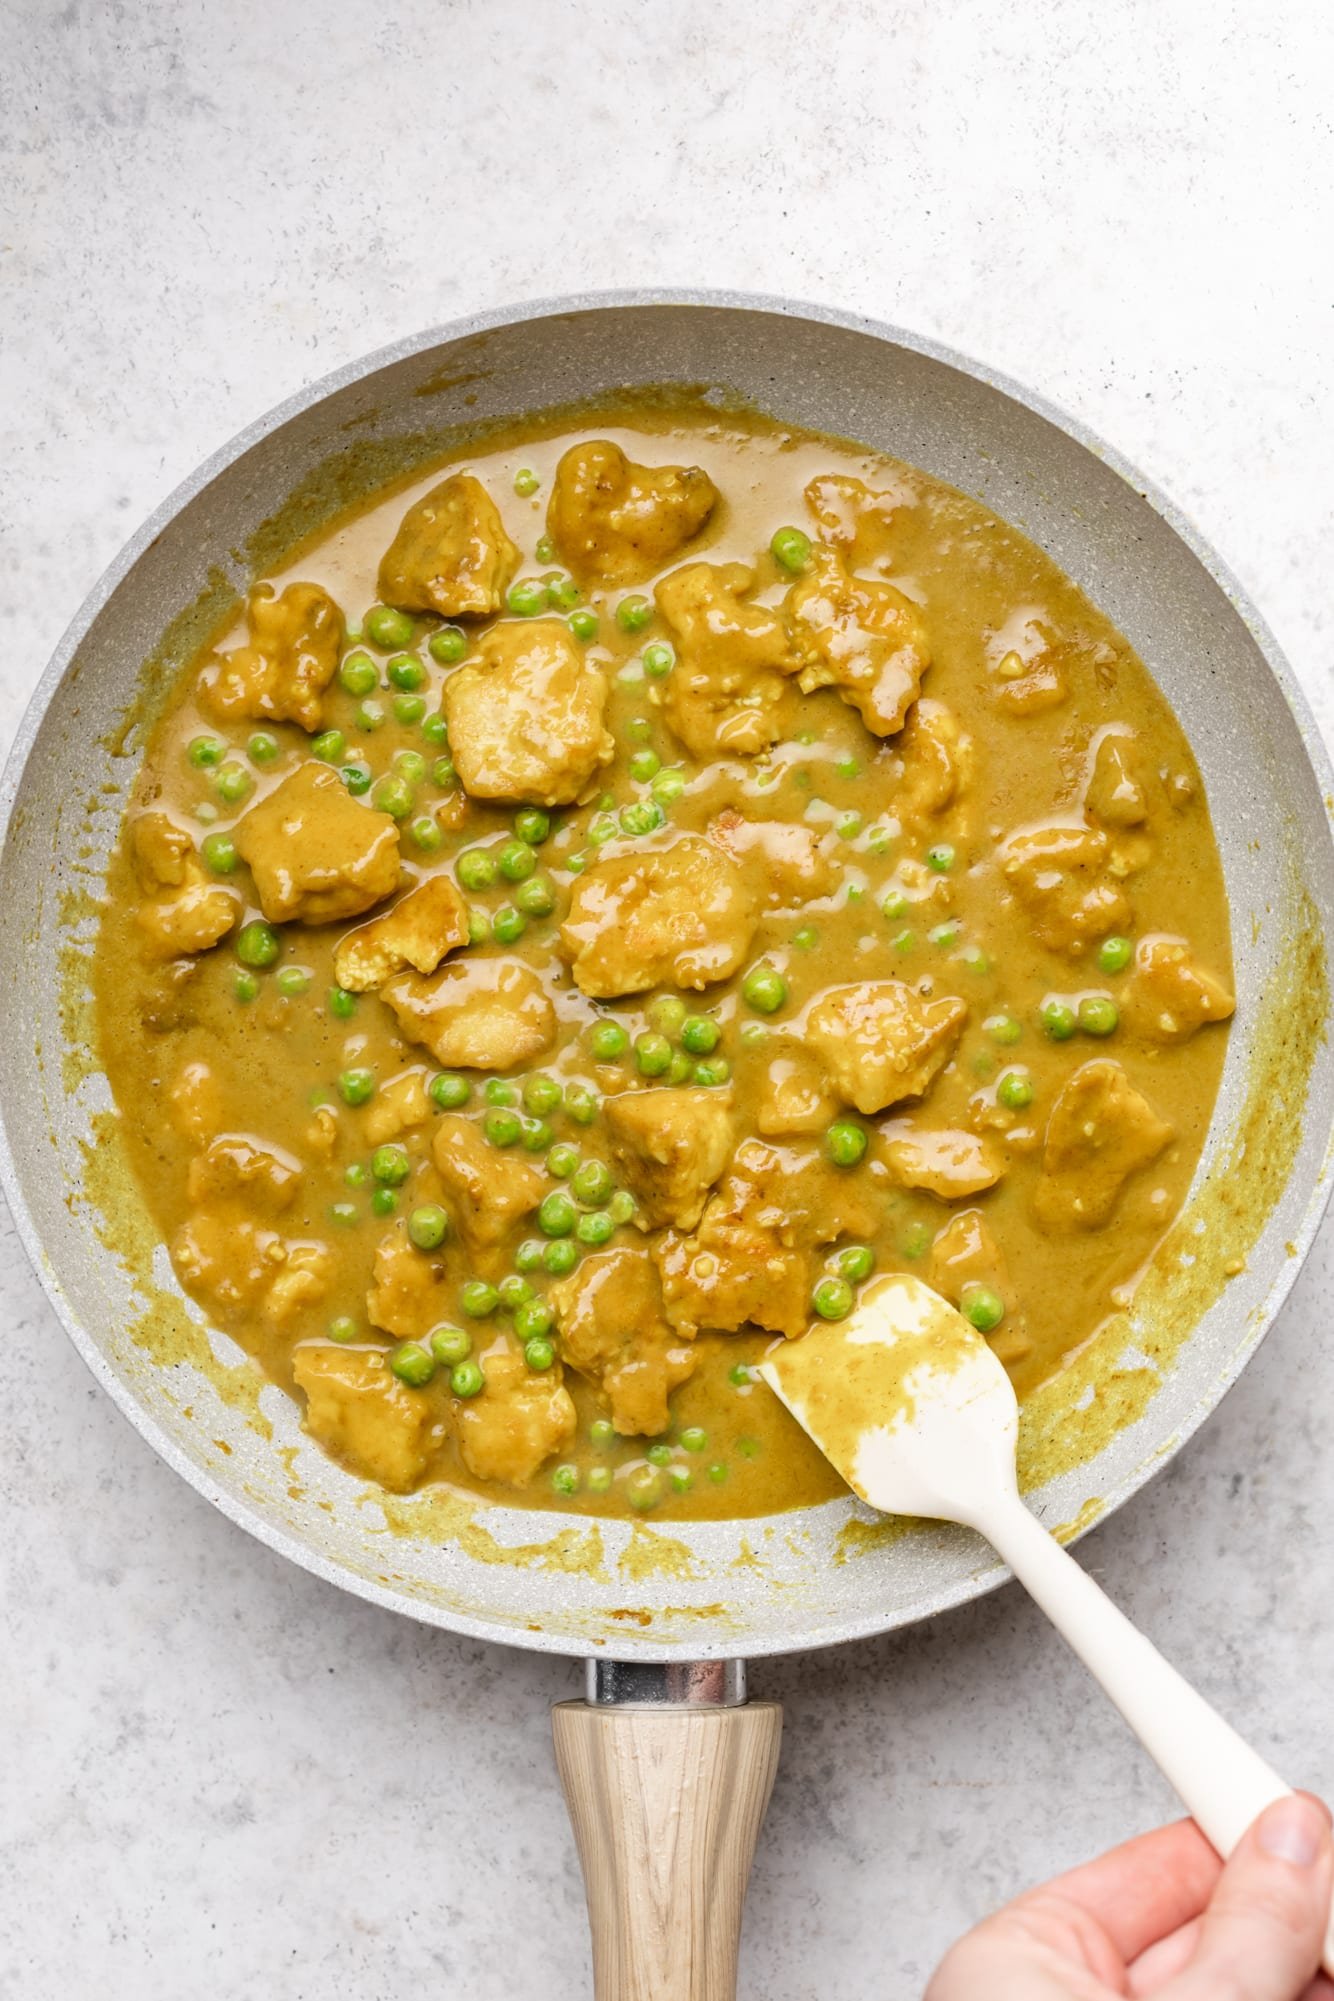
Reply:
x=667, y=1769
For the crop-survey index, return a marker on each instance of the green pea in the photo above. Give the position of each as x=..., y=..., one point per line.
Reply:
x=204, y=751
x=643, y=816
x=983, y=1307
x=584, y=624
x=1058, y=1020
x=436, y=731
x=621, y=1206
x=764, y=989
x=426, y=834
x=512, y=1292
x=356, y=1086
x=532, y=1319
x=245, y=986
x=344, y=1214
x=565, y=1479
x=856, y=1262
x=358, y=674
x=479, y=928
x=393, y=795
x=940, y=858
x=714, y=1070
x=659, y=1455
x=356, y=1174
x=405, y=671
x=292, y=981
x=476, y=868
x=658, y=660
x=845, y=1143
x=791, y=550
x=699, y=1034
x=501, y=1128
x=1098, y=1015
x=645, y=764
x=607, y=1041
x=718, y=1472
x=806, y=939
x=357, y=778
x=592, y=1184
x=257, y=944
x=599, y=1479
x=369, y=717
x=556, y=1214
x=1003, y=1028
x=848, y=826
x=531, y=826
x=428, y=1226
x=560, y=1257
x=390, y=1165
x=328, y=746
x=466, y=1379
x=343, y=1328
x=562, y=1160
x=341, y=1004
x=443, y=774
x=894, y=905
x=535, y=1134
x=410, y=764
x=741, y=1375
x=601, y=829
x=508, y=925
x=541, y=1095
x=478, y=1299
x=451, y=1345
x=916, y=1241
x=413, y=1364
x=527, y=597
x=754, y=1035
x=601, y=1433
x=581, y=1104
x=594, y=1228
x=563, y=593
x=666, y=1013
x=1015, y=1089
x=528, y=1257
x=944, y=934
x=832, y=1299
x=497, y=1092
x=409, y=708
x=680, y=1067
x=516, y=861
x=653, y=1054
x=694, y=1438
x=449, y=1090
x=975, y=959
x=644, y=1487
x=233, y=784
x=633, y=613
x=448, y=646
x=386, y=628
x=848, y=767
x=539, y=1354
x=526, y=481
x=219, y=853
x=668, y=786
x=1115, y=954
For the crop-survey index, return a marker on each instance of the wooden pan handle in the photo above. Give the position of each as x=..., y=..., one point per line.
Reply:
x=666, y=1806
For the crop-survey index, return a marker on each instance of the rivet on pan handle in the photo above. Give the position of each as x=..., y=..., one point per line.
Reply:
x=667, y=1771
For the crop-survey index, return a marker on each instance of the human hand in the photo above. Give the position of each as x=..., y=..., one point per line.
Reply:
x=1162, y=1916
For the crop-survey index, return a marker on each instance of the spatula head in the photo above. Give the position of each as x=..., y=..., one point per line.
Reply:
x=906, y=1400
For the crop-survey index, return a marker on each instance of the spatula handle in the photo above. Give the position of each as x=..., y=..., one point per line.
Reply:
x=1223, y=1783
x=666, y=1806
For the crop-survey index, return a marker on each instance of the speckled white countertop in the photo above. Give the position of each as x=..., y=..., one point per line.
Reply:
x=218, y=1776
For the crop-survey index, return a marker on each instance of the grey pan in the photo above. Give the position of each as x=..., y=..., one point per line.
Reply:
x=726, y=1589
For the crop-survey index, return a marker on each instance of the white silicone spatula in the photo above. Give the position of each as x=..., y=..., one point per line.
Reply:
x=914, y=1410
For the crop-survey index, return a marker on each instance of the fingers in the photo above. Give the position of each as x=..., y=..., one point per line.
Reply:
x=1261, y=1936
x=1146, y=1888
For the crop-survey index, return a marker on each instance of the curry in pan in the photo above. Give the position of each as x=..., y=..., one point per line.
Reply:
x=605, y=902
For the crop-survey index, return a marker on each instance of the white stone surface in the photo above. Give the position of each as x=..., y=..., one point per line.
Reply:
x=219, y=1776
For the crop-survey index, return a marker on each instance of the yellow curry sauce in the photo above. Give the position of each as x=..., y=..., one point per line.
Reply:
x=613, y=896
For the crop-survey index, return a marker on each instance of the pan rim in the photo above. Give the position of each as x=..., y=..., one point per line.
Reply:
x=240, y=1511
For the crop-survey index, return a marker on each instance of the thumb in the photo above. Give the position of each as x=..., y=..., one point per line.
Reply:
x=1262, y=1934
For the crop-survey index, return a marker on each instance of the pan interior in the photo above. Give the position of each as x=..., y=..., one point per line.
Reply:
x=798, y=1579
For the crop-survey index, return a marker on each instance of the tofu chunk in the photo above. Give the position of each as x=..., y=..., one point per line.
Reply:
x=1060, y=877
x=265, y=1178
x=237, y=1265
x=525, y=715
x=679, y=915
x=195, y=1102
x=422, y=927
x=163, y=853
x=359, y=1411
x=1168, y=995
x=670, y=1146
x=411, y=1291
x=521, y=1418
x=1027, y=666
x=451, y=554
x=852, y=518
x=316, y=855
x=946, y=1162
x=795, y=1097
x=730, y=692
x=787, y=862
x=1117, y=793
x=937, y=763
x=485, y=1191
x=613, y=1331
x=482, y=1014
x=292, y=656
x=1101, y=1131
x=795, y=1192
x=615, y=522
x=864, y=639
x=399, y=1106
x=881, y=1041
x=191, y=920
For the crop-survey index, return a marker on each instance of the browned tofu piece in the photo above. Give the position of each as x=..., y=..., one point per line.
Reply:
x=359, y=1411
x=670, y=1146
x=1168, y=995
x=164, y=854
x=481, y=1014
x=1117, y=792
x=315, y=853
x=730, y=692
x=796, y=1193
x=1060, y=876
x=292, y=656
x=1101, y=1131
x=399, y=1106
x=679, y=915
x=525, y=715
x=786, y=862
x=881, y=1041
x=264, y=1178
x=195, y=1101
x=864, y=639
x=522, y=1417
x=945, y=1162
x=411, y=1291
x=796, y=1097
x=451, y=554
x=937, y=763
x=852, y=518
x=190, y=920
x=236, y=1264
x=1027, y=666
x=616, y=522
x=422, y=927
x=613, y=1330
x=484, y=1190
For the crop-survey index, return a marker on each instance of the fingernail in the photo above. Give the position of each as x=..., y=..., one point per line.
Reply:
x=1294, y=1830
